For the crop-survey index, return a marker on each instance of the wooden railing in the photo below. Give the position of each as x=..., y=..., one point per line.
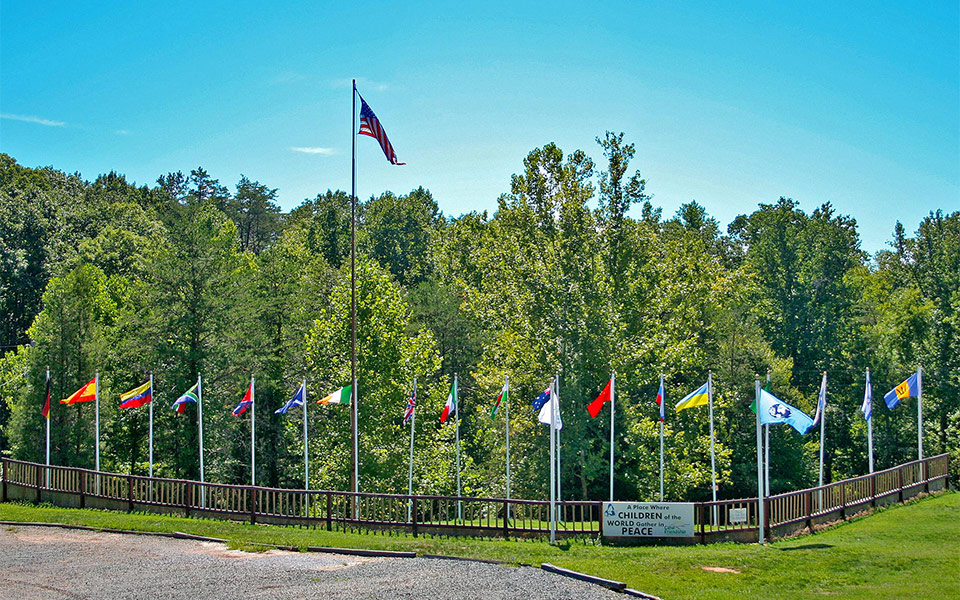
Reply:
x=724, y=519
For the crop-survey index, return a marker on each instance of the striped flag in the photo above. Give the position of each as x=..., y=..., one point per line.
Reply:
x=138, y=396
x=45, y=411
x=411, y=405
x=370, y=125
x=661, y=400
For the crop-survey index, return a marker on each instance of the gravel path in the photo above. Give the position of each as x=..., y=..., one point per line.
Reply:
x=61, y=564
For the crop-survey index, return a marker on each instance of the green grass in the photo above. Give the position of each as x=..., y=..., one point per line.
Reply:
x=901, y=552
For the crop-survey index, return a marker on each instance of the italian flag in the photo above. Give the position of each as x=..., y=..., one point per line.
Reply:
x=450, y=408
x=341, y=396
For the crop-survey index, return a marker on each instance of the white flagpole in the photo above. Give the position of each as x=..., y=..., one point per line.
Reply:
x=48, y=428
x=713, y=459
x=151, y=436
x=553, y=474
x=413, y=425
x=823, y=420
x=506, y=408
x=456, y=396
x=556, y=397
x=306, y=450
x=613, y=395
x=662, y=400
x=356, y=443
x=920, y=418
x=766, y=450
x=870, y=427
x=253, y=431
x=203, y=488
x=759, y=464
x=96, y=395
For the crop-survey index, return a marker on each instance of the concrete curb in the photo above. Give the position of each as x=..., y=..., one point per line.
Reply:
x=617, y=586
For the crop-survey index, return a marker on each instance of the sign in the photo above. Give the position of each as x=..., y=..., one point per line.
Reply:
x=738, y=515
x=648, y=519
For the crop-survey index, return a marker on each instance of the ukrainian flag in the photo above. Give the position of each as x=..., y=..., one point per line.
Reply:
x=695, y=398
x=137, y=396
x=908, y=389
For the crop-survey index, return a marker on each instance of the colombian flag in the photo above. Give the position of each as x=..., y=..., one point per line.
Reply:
x=908, y=389
x=85, y=394
x=698, y=397
x=137, y=396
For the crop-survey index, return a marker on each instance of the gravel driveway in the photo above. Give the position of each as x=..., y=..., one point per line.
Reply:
x=54, y=564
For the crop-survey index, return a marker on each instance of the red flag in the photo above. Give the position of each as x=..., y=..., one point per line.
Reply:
x=594, y=407
x=45, y=411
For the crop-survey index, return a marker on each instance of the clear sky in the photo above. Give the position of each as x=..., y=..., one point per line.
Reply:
x=729, y=104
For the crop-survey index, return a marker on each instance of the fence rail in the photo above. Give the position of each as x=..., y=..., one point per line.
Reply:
x=724, y=519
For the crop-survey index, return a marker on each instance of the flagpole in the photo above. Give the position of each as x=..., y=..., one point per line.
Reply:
x=506, y=408
x=151, y=436
x=713, y=459
x=920, y=418
x=556, y=398
x=96, y=395
x=355, y=483
x=759, y=464
x=46, y=400
x=823, y=420
x=553, y=474
x=253, y=432
x=306, y=450
x=613, y=395
x=766, y=451
x=456, y=396
x=413, y=425
x=662, y=400
x=203, y=488
x=870, y=427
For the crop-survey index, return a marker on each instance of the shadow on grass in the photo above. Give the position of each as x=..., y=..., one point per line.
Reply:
x=808, y=547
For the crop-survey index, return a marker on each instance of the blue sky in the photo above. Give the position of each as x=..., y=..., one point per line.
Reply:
x=729, y=104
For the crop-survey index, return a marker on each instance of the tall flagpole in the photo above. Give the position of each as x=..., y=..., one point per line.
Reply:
x=553, y=473
x=823, y=420
x=713, y=458
x=506, y=408
x=413, y=426
x=456, y=397
x=306, y=451
x=96, y=395
x=556, y=398
x=766, y=450
x=203, y=488
x=759, y=463
x=151, y=428
x=920, y=418
x=662, y=400
x=355, y=475
x=869, y=424
x=46, y=400
x=613, y=394
x=253, y=432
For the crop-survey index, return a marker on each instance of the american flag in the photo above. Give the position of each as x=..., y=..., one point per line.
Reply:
x=370, y=125
x=411, y=404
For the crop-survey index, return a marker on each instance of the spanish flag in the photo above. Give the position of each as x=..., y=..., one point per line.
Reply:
x=85, y=394
x=699, y=397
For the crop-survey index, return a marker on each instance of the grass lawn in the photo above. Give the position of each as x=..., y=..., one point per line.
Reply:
x=906, y=551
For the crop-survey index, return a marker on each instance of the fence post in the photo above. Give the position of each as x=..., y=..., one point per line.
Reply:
x=843, y=502
x=83, y=489
x=253, y=505
x=925, y=473
x=129, y=493
x=4, y=493
x=188, y=498
x=414, y=517
x=330, y=511
x=39, y=479
x=703, y=518
x=506, y=520
x=766, y=519
x=900, y=483
x=873, y=490
x=808, y=501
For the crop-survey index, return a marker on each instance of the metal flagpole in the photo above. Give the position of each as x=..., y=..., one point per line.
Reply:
x=662, y=400
x=253, y=431
x=823, y=420
x=306, y=450
x=766, y=450
x=556, y=398
x=203, y=488
x=48, y=430
x=96, y=395
x=869, y=424
x=613, y=394
x=713, y=459
x=456, y=398
x=151, y=436
x=920, y=419
x=413, y=425
x=759, y=463
x=553, y=474
x=355, y=475
x=506, y=408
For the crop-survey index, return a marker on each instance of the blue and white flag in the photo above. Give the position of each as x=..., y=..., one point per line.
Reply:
x=546, y=407
x=774, y=411
x=296, y=401
x=867, y=407
x=821, y=400
x=542, y=399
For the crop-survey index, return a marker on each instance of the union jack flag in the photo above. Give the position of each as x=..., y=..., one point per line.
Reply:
x=370, y=125
x=411, y=404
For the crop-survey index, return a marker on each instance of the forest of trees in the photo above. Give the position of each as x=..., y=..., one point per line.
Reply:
x=577, y=272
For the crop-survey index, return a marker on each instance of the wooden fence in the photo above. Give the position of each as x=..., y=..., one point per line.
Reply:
x=736, y=519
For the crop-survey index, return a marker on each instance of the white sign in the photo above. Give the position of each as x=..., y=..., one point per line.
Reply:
x=738, y=515
x=648, y=519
